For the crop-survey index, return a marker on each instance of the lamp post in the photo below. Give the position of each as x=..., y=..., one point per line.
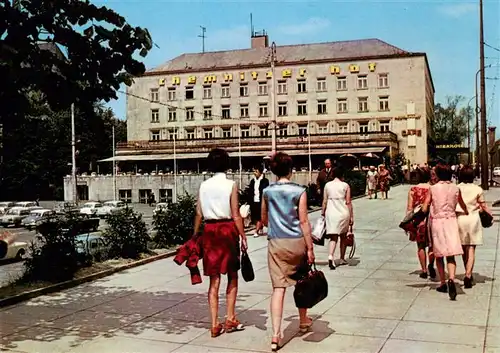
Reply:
x=273, y=93
x=114, y=166
x=468, y=131
x=239, y=153
x=175, y=165
x=73, y=155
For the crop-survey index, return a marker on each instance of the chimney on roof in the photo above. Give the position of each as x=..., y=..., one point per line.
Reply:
x=260, y=40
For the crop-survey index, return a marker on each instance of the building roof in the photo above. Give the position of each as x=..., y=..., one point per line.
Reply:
x=288, y=54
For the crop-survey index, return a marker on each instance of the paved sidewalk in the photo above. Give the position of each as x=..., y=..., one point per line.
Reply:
x=377, y=304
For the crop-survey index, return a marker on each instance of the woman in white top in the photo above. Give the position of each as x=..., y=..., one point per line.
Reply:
x=218, y=206
x=469, y=226
x=338, y=213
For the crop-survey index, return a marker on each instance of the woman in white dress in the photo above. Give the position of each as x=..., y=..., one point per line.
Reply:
x=338, y=213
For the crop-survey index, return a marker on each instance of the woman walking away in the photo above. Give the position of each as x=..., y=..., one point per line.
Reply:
x=442, y=201
x=284, y=211
x=218, y=206
x=416, y=197
x=338, y=213
x=384, y=178
x=469, y=226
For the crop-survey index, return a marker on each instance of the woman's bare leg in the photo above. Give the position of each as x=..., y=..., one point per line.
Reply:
x=231, y=294
x=277, y=299
x=422, y=258
x=471, y=258
x=452, y=267
x=213, y=299
x=343, y=247
x=333, y=245
x=440, y=267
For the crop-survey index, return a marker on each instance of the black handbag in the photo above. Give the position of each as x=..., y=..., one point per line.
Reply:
x=486, y=219
x=413, y=219
x=310, y=289
x=246, y=267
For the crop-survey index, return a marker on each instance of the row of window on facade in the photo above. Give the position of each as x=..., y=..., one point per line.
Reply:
x=263, y=87
x=263, y=131
x=282, y=109
x=165, y=195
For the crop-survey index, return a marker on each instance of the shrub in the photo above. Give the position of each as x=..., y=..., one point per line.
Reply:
x=357, y=181
x=175, y=225
x=127, y=234
x=54, y=256
x=313, y=198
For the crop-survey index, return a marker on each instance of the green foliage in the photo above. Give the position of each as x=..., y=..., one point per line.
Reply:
x=53, y=257
x=126, y=234
x=357, y=181
x=174, y=226
x=450, y=123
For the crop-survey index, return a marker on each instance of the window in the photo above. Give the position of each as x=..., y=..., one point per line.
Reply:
x=244, y=110
x=341, y=83
x=144, y=195
x=226, y=112
x=323, y=129
x=189, y=114
x=226, y=132
x=363, y=104
x=172, y=114
x=383, y=103
x=155, y=135
x=343, y=128
x=172, y=95
x=155, y=96
x=166, y=195
x=244, y=89
x=301, y=108
x=301, y=86
x=262, y=88
x=190, y=134
x=225, y=91
x=245, y=132
x=125, y=195
x=282, y=109
x=383, y=80
x=282, y=87
x=172, y=134
x=263, y=131
x=262, y=109
x=283, y=131
x=322, y=106
x=362, y=82
x=189, y=92
x=207, y=92
x=385, y=125
x=208, y=133
x=302, y=130
x=341, y=105
x=155, y=115
x=321, y=84
x=207, y=113
x=363, y=127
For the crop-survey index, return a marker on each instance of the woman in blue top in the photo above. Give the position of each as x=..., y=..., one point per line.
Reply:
x=284, y=212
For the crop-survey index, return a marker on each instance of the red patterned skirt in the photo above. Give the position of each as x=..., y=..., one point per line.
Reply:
x=221, y=248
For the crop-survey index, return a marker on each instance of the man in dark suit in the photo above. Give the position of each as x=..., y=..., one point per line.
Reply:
x=324, y=176
x=257, y=185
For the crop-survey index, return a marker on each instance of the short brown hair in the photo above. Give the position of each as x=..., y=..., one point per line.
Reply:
x=423, y=175
x=466, y=175
x=443, y=172
x=218, y=160
x=281, y=164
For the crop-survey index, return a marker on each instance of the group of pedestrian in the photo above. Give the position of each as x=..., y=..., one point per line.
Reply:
x=453, y=225
x=378, y=181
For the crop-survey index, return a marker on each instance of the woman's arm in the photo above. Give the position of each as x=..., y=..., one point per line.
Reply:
x=482, y=203
x=427, y=202
x=325, y=203
x=462, y=203
x=264, y=216
x=235, y=214
x=348, y=201
x=305, y=226
x=409, y=205
x=198, y=217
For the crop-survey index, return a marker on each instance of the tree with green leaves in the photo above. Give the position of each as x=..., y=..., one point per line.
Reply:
x=450, y=123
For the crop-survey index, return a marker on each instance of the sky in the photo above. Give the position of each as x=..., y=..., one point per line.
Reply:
x=448, y=31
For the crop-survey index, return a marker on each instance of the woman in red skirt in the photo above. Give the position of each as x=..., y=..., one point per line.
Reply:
x=218, y=206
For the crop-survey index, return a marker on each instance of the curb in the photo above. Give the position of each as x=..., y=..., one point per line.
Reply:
x=75, y=282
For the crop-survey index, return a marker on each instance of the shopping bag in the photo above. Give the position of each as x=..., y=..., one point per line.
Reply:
x=246, y=267
x=310, y=289
x=319, y=229
x=244, y=211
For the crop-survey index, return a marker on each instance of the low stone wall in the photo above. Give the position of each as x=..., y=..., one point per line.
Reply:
x=100, y=188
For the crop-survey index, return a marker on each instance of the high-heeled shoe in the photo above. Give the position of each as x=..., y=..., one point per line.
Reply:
x=442, y=288
x=331, y=265
x=452, y=289
x=467, y=282
x=304, y=327
x=275, y=343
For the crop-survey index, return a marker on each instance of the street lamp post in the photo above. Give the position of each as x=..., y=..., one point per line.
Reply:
x=73, y=155
x=468, y=131
x=114, y=165
x=273, y=93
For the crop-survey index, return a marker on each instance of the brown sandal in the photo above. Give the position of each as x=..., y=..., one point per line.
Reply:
x=234, y=325
x=217, y=330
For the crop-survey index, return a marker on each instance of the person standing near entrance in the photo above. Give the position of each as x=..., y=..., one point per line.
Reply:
x=324, y=176
x=257, y=185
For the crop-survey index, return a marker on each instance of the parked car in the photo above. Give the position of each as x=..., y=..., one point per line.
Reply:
x=93, y=244
x=36, y=217
x=496, y=171
x=160, y=207
x=10, y=250
x=90, y=208
x=63, y=207
x=110, y=207
x=4, y=206
x=26, y=204
x=14, y=216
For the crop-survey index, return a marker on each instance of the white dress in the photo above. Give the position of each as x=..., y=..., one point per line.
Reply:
x=337, y=213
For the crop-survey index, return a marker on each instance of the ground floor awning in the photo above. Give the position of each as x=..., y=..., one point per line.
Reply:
x=301, y=152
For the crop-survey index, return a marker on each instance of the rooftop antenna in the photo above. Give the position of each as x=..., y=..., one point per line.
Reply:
x=251, y=25
x=203, y=36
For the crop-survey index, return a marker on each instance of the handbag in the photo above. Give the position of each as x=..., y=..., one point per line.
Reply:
x=413, y=219
x=350, y=242
x=318, y=232
x=246, y=267
x=244, y=211
x=310, y=289
x=486, y=219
